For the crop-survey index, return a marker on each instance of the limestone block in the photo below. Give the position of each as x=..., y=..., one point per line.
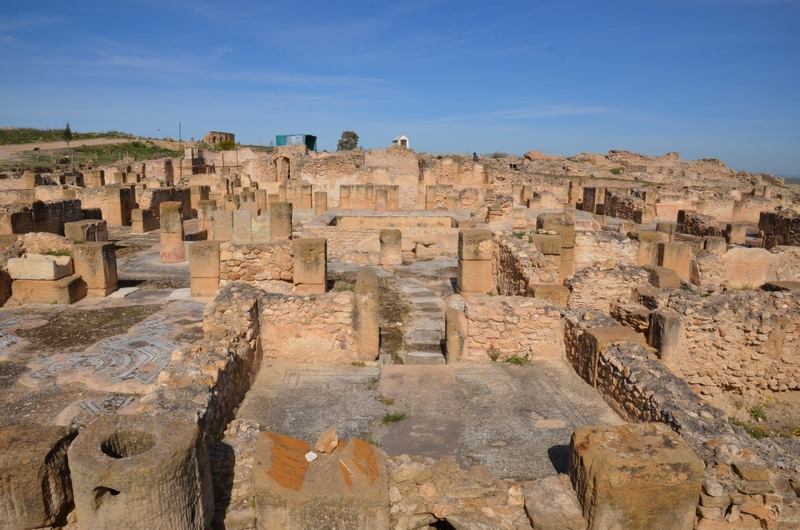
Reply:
x=467, y=224
x=231, y=202
x=551, y=504
x=204, y=259
x=172, y=248
x=243, y=225
x=555, y=293
x=547, y=244
x=280, y=220
x=381, y=199
x=87, y=230
x=676, y=256
x=97, y=265
x=475, y=244
x=143, y=221
x=668, y=228
x=170, y=216
x=35, y=490
x=475, y=277
x=665, y=334
x=567, y=265
x=65, y=291
x=366, y=316
x=348, y=488
x=40, y=267
x=311, y=261
x=648, y=247
x=593, y=342
x=663, y=278
x=559, y=223
x=635, y=476
x=320, y=202
x=223, y=225
x=251, y=207
x=391, y=240
x=141, y=472
x=426, y=249
x=735, y=233
x=747, y=268
x=456, y=332
x=715, y=244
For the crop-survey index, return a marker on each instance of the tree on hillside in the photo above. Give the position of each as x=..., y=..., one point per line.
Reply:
x=348, y=141
x=227, y=145
x=67, y=134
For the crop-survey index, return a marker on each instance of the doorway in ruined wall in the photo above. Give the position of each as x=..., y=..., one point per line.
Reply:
x=282, y=168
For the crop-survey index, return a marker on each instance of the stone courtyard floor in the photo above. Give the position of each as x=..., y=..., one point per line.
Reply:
x=515, y=420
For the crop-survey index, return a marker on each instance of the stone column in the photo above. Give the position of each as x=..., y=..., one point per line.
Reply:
x=366, y=321
x=676, y=256
x=172, y=247
x=381, y=199
x=280, y=221
x=666, y=229
x=475, y=250
x=311, y=265
x=205, y=215
x=648, y=247
x=118, y=206
x=391, y=247
x=320, y=202
x=665, y=334
x=97, y=265
x=261, y=200
x=735, y=233
x=204, y=267
x=527, y=193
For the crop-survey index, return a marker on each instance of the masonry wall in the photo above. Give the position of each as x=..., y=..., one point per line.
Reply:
x=604, y=249
x=308, y=329
x=517, y=265
x=504, y=327
x=266, y=265
x=597, y=288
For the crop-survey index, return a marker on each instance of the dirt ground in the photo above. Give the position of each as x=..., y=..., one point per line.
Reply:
x=773, y=414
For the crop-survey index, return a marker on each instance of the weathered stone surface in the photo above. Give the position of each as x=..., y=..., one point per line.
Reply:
x=311, y=261
x=346, y=489
x=40, y=267
x=551, y=504
x=97, y=265
x=475, y=245
x=366, y=316
x=327, y=441
x=635, y=476
x=141, y=472
x=663, y=278
x=35, y=490
x=65, y=291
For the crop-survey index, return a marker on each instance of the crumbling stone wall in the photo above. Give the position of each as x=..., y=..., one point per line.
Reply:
x=780, y=228
x=597, y=288
x=604, y=249
x=627, y=207
x=517, y=264
x=308, y=329
x=479, y=328
x=160, y=169
x=742, y=341
x=50, y=216
x=151, y=199
x=269, y=266
x=749, y=209
x=698, y=224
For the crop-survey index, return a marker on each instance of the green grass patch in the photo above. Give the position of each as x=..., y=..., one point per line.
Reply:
x=393, y=417
x=27, y=135
x=58, y=252
x=517, y=360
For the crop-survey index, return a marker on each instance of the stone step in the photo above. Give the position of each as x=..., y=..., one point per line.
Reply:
x=423, y=323
x=427, y=302
x=424, y=340
x=424, y=357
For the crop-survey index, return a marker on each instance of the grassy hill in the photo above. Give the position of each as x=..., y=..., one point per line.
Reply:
x=26, y=135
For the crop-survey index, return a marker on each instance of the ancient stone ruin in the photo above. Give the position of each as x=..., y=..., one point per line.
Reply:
x=385, y=339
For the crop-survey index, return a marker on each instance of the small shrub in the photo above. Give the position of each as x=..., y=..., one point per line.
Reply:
x=617, y=170
x=494, y=352
x=393, y=417
x=359, y=363
x=387, y=401
x=499, y=154
x=57, y=252
x=439, y=157
x=517, y=360
x=759, y=412
x=519, y=235
x=344, y=286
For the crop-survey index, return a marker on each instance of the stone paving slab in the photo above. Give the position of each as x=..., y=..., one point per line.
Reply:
x=517, y=421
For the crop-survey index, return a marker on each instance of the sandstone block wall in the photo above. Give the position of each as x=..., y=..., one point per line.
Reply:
x=598, y=288
x=266, y=265
x=518, y=265
x=308, y=329
x=479, y=327
x=604, y=249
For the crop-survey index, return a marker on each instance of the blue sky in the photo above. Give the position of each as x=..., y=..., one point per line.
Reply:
x=706, y=78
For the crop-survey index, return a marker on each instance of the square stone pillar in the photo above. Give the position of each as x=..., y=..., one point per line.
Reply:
x=667, y=230
x=320, y=202
x=223, y=225
x=143, y=221
x=204, y=267
x=172, y=248
x=306, y=196
x=735, y=233
x=564, y=226
x=648, y=247
x=196, y=194
x=280, y=221
x=242, y=225
x=97, y=265
x=310, y=265
x=261, y=200
x=381, y=199
x=205, y=215
x=230, y=202
x=475, y=251
x=635, y=476
x=344, y=197
x=366, y=321
x=393, y=199
x=430, y=197
x=119, y=206
x=391, y=240
x=676, y=256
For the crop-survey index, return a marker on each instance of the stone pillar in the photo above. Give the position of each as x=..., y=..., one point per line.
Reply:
x=272, y=198
x=393, y=198
x=430, y=197
x=676, y=256
x=172, y=247
x=141, y=471
x=143, y=221
x=516, y=192
x=648, y=247
x=242, y=226
x=565, y=227
x=36, y=491
x=205, y=215
x=475, y=251
x=223, y=225
x=527, y=193
x=665, y=334
x=381, y=199
x=230, y=202
x=261, y=200
x=455, y=325
x=311, y=265
x=305, y=196
x=320, y=202
x=735, y=233
x=280, y=221
x=204, y=267
x=639, y=475
x=248, y=202
x=97, y=265
x=715, y=244
x=119, y=211
x=365, y=315
x=196, y=194
x=391, y=247
x=667, y=230
x=344, y=197
x=518, y=219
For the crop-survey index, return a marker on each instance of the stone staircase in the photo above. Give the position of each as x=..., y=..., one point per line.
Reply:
x=424, y=330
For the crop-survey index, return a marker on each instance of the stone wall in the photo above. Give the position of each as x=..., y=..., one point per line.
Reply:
x=480, y=327
x=597, y=288
x=742, y=341
x=517, y=265
x=308, y=329
x=151, y=199
x=628, y=207
x=604, y=249
x=266, y=265
x=780, y=228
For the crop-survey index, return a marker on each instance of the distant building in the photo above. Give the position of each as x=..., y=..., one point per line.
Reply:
x=215, y=137
x=297, y=139
x=401, y=140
